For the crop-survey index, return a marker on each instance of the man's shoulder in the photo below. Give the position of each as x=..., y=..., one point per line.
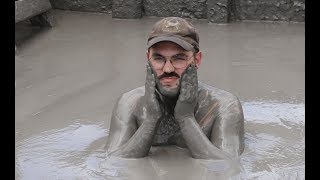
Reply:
x=132, y=95
x=126, y=103
x=211, y=97
x=209, y=93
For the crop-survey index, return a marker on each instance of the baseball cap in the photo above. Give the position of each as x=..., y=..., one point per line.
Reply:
x=177, y=30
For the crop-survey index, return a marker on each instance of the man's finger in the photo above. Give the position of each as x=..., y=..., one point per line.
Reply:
x=186, y=74
x=150, y=83
x=149, y=75
x=194, y=69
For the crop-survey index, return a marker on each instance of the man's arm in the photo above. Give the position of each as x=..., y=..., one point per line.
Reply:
x=122, y=126
x=198, y=143
x=126, y=139
x=228, y=130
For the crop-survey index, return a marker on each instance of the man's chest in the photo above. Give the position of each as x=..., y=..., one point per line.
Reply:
x=167, y=130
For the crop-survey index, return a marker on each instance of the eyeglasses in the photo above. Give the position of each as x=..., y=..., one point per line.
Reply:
x=178, y=61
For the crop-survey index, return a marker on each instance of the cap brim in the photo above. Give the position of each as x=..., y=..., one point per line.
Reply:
x=184, y=44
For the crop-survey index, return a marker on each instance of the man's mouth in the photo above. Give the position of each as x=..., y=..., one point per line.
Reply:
x=168, y=79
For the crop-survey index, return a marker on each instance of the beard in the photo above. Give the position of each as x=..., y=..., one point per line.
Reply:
x=170, y=92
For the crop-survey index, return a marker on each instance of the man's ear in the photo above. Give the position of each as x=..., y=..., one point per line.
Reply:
x=198, y=58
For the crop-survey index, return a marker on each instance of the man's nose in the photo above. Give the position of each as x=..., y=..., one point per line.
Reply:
x=168, y=67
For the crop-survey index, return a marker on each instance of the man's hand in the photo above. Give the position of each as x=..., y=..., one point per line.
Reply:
x=151, y=108
x=188, y=94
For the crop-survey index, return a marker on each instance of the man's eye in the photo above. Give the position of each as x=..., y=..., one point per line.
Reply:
x=179, y=58
x=158, y=58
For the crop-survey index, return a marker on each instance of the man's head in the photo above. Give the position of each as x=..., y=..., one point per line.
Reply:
x=172, y=45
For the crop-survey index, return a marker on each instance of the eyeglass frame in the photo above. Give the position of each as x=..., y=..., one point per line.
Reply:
x=166, y=59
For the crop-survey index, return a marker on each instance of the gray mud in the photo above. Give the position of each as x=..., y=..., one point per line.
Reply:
x=67, y=80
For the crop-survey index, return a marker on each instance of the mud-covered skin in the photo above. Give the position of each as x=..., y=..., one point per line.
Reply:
x=197, y=142
x=204, y=119
x=126, y=139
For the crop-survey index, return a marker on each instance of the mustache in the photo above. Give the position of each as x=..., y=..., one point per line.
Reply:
x=169, y=75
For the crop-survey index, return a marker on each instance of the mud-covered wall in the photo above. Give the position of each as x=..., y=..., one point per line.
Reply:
x=272, y=10
x=104, y=6
x=216, y=11
x=182, y=8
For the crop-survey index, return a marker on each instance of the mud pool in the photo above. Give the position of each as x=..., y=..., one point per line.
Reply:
x=67, y=80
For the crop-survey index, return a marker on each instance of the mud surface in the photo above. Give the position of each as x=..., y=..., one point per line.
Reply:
x=67, y=80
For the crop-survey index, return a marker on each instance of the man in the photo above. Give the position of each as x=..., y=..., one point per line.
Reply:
x=173, y=108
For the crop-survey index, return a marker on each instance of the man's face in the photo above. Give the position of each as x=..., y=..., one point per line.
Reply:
x=169, y=72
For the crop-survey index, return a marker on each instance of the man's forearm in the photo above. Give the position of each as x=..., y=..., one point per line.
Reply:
x=139, y=144
x=197, y=142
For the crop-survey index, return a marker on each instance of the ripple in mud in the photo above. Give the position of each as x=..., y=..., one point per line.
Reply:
x=275, y=140
x=56, y=153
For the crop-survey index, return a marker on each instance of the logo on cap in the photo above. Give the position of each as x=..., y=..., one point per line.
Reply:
x=171, y=26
